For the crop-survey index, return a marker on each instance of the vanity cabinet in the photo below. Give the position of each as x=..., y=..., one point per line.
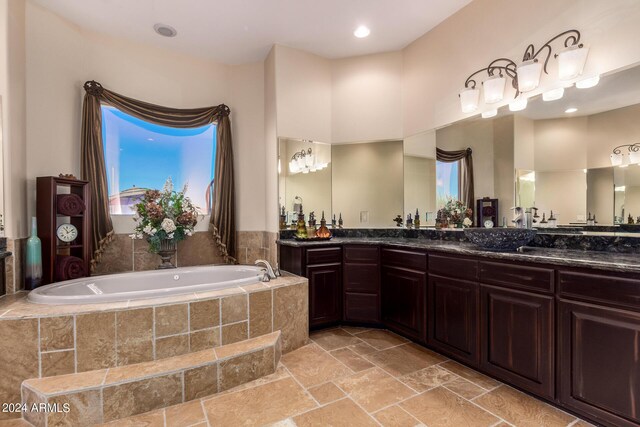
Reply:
x=361, y=282
x=403, y=292
x=570, y=336
x=322, y=265
x=599, y=346
x=517, y=325
x=453, y=324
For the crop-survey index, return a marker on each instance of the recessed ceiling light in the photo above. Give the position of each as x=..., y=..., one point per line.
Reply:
x=571, y=110
x=165, y=30
x=361, y=32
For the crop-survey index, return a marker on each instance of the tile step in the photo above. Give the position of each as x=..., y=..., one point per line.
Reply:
x=109, y=394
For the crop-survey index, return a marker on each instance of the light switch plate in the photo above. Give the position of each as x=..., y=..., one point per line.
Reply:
x=364, y=216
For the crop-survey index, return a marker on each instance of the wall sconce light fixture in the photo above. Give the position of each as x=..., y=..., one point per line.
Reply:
x=618, y=157
x=304, y=162
x=526, y=76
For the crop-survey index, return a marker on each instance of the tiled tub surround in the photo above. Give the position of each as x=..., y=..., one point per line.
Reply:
x=359, y=377
x=46, y=340
x=124, y=254
x=110, y=394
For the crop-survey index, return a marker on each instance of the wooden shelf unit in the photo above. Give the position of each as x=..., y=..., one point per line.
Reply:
x=48, y=188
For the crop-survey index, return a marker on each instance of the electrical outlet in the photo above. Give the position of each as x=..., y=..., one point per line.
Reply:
x=364, y=216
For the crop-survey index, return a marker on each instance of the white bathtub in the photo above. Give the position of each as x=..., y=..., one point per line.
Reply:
x=145, y=284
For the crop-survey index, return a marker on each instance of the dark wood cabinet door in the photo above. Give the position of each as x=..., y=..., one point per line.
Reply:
x=325, y=294
x=599, y=362
x=361, y=308
x=453, y=318
x=517, y=338
x=403, y=301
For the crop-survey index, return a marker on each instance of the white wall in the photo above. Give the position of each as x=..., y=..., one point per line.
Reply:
x=61, y=57
x=436, y=65
x=366, y=100
x=367, y=177
x=12, y=93
x=303, y=94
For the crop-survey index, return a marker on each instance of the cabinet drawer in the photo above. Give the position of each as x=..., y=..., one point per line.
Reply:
x=406, y=259
x=449, y=266
x=516, y=276
x=363, y=254
x=362, y=278
x=324, y=255
x=604, y=289
x=361, y=308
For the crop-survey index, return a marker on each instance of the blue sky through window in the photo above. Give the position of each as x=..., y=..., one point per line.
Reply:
x=447, y=185
x=141, y=155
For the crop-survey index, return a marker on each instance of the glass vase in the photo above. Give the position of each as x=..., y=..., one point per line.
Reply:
x=33, y=265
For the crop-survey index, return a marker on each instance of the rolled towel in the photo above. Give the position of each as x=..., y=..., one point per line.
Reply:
x=70, y=204
x=69, y=267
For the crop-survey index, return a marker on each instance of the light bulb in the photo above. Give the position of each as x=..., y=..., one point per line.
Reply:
x=490, y=113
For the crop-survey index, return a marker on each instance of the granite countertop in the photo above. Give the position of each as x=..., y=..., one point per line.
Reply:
x=611, y=261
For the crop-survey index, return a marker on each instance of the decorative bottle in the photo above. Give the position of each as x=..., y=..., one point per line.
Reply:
x=416, y=220
x=33, y=272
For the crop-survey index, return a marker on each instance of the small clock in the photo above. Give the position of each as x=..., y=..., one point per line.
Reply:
x=488, y=223
x=67, y=233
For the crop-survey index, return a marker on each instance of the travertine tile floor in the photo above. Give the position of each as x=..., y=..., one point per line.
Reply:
x=359, y=377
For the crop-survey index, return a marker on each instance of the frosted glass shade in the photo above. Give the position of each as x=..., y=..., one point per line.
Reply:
x=571, y=62
x=529, y=75
x=469, y=100
x=634, y=157
x=553, y=94
x=518, y=104
x=588, y=82
x=490, y=113
x=494, y=89
x=616, y=159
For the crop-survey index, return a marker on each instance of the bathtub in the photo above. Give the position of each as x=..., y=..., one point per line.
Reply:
x=145, y=284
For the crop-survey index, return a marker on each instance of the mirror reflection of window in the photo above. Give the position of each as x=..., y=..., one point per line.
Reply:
x=447, y=182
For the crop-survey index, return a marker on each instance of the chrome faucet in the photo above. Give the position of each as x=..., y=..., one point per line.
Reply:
x=271, y=272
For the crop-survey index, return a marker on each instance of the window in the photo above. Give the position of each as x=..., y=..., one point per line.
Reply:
x=447, y=182
x=141, y=156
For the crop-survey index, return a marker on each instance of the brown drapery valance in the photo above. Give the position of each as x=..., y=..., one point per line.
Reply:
x=222, y=223
x=466, y=175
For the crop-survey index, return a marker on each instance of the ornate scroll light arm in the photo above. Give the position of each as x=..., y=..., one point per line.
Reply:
x=499, y=65
x=633, y=148
x=301, y=154
x=573, y=38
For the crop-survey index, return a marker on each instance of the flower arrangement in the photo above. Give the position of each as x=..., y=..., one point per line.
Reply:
x=164, y=215
x=455, y=213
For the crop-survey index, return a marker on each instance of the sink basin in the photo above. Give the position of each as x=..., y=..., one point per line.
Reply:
x=499, y=239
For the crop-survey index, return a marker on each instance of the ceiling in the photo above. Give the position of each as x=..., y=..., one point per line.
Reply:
x=241, y=31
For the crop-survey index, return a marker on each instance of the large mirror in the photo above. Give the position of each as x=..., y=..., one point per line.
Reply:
x=555, y=156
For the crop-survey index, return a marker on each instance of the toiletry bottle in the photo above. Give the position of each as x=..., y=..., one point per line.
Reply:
x=33, y=273
x=333, y=221
x=409, y=221
x=416, y=220
x=340, y=222
x=301, y=229
x=553, y=222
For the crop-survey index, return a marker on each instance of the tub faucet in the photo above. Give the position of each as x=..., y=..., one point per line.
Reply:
x=271, y=273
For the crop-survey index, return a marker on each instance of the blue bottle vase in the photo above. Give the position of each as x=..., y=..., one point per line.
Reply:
x=33, y=272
